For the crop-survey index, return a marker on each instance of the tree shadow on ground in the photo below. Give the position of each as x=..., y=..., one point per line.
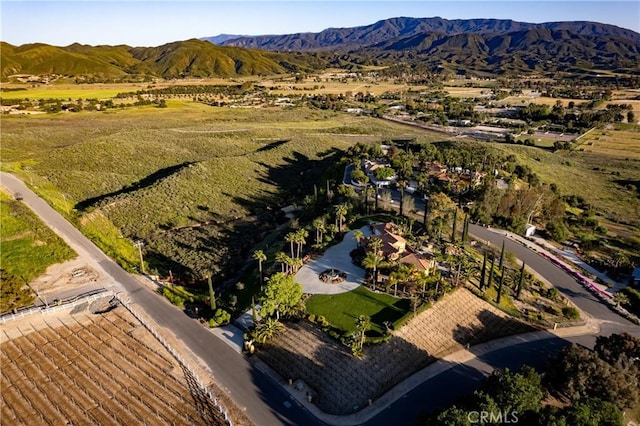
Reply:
x=490, y=326
x=342, y=383
x=145, y=182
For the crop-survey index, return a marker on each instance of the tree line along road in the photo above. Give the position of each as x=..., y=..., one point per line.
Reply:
x=266, y=402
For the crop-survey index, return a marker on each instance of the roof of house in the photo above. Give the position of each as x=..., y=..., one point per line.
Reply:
x=390, y=240
x=421, y=263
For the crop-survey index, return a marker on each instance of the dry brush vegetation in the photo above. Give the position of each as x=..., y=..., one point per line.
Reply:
x=198, y=184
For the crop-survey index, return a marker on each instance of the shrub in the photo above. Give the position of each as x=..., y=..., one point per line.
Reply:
x=553, y=293
x=173, y=298
x=322, y=321
x=570, y=313
x=220, y=317
x=311, y=318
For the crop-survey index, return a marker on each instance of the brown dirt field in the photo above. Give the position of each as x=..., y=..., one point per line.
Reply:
x=343, y=384
x=94, y=369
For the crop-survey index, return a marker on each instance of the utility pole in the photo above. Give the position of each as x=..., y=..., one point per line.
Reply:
x=138, y=244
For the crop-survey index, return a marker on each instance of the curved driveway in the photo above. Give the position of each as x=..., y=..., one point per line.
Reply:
x=267, y=403
x=336, y=257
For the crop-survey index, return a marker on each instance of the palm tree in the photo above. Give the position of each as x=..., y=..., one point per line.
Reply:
x=333, y=229
x=341, y=211
x=320, y=225
x=371, y=261
x=375, y=244
x=369, y=191
x=290, y=238
x=268, y=329
x=363, y=323
x=358, y=235
x=300, y=240
x=260, y=257
x=282, y=259
x=296, y=264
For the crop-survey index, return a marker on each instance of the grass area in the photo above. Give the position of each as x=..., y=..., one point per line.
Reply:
x=196, y=183
x=28, y=246
x=101, y=90
x=342, y=310
x=466, y=92
x=63, y=93
x=601, y=179
x=623, y=142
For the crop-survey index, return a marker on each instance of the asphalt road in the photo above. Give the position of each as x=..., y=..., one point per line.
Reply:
x=568, y=285
x=264, y=400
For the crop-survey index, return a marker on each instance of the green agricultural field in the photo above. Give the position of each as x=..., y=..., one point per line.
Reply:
x=342, y=310
x=199, y=185
x=28, y=246
x=62, y=93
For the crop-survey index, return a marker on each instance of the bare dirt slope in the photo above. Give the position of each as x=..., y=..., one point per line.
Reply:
x=342, y=384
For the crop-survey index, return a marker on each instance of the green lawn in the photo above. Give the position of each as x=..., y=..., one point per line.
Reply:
x=342, y=310
x=28, y=246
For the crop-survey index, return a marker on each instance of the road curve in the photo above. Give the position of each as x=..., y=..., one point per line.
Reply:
x=565, y=283
x=264, y=400
x=261, y=398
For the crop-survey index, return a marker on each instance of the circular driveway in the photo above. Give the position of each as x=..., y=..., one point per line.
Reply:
x=336, y=257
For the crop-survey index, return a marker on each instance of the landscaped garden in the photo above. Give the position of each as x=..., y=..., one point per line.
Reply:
x=342, y=310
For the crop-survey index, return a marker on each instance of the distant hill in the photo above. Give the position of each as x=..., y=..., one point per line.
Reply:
x=538, y=49
x=190, y=58
x=220, y=38
x=385, y=30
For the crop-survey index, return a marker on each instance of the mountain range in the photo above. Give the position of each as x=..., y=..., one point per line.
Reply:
x=385, y=30
x=482, y=45
x=189, y=58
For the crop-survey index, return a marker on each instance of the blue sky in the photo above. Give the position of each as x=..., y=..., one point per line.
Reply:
x=152, y=23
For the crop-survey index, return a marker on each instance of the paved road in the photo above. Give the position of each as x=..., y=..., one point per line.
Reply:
x=579, y=295
x=264, y=400
x=251, y=389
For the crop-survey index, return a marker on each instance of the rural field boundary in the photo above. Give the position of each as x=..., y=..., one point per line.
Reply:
x=80, y=299
x=193, y=376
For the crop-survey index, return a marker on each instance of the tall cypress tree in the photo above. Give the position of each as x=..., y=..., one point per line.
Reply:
x=484, y=270
x=500, y=285
x=455, y=223
x=426, y=210
x=465, y=229
x=254, y=314
x=520, y=281
x=493, y=261
x=212, y=294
